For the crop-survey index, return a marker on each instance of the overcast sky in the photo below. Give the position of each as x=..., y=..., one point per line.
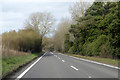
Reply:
x=14, y=13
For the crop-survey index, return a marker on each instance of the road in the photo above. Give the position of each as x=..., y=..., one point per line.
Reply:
x=56, y=65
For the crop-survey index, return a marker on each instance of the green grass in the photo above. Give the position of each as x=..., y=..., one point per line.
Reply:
x=12, y=63
x=98, y=59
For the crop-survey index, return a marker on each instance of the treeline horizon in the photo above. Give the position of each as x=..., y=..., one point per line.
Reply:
x=31, y=39
x=25, y=40
x=93, y=31
x=97, y=32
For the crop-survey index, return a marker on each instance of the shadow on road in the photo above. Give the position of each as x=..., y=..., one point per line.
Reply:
x=48, y=54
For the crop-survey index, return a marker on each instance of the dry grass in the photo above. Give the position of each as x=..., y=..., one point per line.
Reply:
x=98, y=59
x=6, y=53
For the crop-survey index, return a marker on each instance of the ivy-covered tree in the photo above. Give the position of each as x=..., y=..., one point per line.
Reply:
x=67, y=43
x=101, y=21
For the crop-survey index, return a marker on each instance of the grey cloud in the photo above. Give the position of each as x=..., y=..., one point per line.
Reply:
x=16, y=13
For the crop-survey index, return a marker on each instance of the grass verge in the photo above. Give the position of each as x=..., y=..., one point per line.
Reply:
x=12, y=63
x=98, y=59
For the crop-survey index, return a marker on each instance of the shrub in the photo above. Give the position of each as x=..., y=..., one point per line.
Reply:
x=95, y=47
x=23, y=40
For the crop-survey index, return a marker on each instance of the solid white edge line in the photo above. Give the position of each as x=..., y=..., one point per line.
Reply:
x=51, y=52
x=94, y=62
x=97, y=63
x=90, y=77
x=22, y=74
x=74, y=68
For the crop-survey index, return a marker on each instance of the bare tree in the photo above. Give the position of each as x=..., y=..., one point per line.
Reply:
x=78, y=9
x=62, y=29
x=40, y=23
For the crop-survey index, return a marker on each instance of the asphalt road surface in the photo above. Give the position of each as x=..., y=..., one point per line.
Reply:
x=56, y=65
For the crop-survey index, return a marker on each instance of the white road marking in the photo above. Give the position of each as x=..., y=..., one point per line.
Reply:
x=90, y=77
x=55, y=55
x=51, y=52
x=58, y=58
x=62, y=54
x=74, y=68
x=63, y=60
x=21, y=75
x=94, y=62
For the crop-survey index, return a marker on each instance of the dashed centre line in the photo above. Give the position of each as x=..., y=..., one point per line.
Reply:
x=74, y=68
x=55, y=55
x=63, y=60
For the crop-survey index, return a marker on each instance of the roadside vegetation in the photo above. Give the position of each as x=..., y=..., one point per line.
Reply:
x=97, y=32
x=20, y=47
x=93, y=32
x=12, y=63
x=109, y=61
